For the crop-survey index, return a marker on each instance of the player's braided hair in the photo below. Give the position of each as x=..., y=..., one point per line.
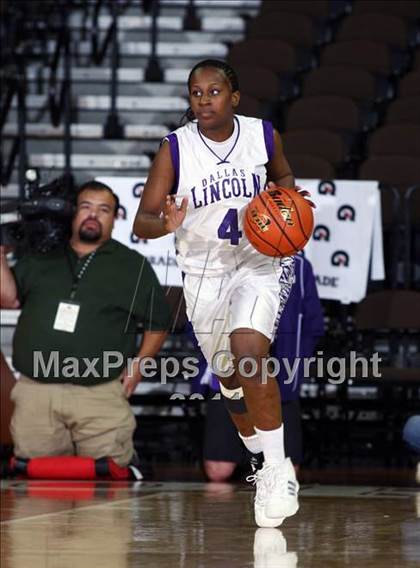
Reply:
x=222, y=66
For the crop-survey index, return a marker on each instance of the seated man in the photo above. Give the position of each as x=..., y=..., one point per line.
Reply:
x=81, y=305
x=300, y=327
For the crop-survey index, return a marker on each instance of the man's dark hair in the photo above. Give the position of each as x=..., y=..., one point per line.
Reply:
x=94, y=185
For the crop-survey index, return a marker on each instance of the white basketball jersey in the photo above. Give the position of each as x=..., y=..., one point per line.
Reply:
x=219, y=187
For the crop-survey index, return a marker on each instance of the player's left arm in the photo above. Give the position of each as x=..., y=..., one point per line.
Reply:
x=279, y=171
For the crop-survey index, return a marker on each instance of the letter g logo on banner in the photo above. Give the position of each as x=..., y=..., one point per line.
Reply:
x=122, y=213
x=138, y=189
x=340, y=258
x=326, y=187
x=346, y=213
x=321, y=233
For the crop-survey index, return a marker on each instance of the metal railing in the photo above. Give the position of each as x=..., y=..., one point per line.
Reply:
x=113, y=129
x=154, y=72
x=40, y=30
x=59, y=94
x=15, y=86
x=24, y=31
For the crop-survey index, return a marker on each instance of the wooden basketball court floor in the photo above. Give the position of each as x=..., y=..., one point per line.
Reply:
x=199, y=525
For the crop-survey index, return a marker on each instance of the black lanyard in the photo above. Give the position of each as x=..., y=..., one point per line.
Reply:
x=225, y=159
x=79, y=275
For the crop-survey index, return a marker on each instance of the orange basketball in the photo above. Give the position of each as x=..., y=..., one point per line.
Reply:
x=279, y=222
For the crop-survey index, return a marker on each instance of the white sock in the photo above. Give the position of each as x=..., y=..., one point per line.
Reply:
x=272, y=443
x=252, y=443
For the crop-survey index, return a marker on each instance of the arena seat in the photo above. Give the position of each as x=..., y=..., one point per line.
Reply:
x=397, y=310
x=412, y=236
x=346, y=81
x=398, y=171
x=325, y=112
x=392, y=215
x=403, y=140
x=304, y=166
x=321, y=10
x=297, y=29
x=258, y=82
x=391, y=30
x=250, y=106
x=404, y=110
x=391, y=318
x=318, y=143
x=403, y=8
x=277, y=55
x=410, y=85
x=412, y=197
x=373, y=56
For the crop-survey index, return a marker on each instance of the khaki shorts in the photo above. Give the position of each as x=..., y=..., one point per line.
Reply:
x=66, y=419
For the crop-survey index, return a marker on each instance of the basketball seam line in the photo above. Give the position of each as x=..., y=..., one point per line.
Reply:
x=278, y=224
x=298, y=216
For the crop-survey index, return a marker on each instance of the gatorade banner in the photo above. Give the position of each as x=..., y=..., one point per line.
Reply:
x=346, y=246
x=345, y=250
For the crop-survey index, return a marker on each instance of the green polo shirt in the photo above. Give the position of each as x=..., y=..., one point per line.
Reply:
x=118, y=291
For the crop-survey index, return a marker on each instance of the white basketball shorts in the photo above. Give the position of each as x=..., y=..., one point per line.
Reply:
x=251, y=298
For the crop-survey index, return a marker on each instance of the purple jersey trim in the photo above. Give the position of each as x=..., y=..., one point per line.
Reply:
x=174, y=148
x=268, y=138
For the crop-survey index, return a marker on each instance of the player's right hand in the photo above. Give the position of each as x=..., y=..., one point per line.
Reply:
x=173, y=216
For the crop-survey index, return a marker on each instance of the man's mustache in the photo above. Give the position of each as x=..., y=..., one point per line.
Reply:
x=86, y=221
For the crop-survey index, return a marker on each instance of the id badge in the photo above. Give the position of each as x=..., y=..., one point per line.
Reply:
x=66, y=317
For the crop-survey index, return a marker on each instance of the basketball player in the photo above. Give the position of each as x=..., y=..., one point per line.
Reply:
x=200, y=183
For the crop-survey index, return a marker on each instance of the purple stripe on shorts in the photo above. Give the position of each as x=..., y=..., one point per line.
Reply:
x=268, y=138
x=174, y=148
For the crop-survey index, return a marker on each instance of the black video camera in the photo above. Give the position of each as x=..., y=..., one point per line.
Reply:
x=45, y=215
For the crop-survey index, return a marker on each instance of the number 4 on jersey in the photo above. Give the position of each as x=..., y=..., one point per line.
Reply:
x=229, y=227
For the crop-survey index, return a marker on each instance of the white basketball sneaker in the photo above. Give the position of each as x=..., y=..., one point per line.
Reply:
x=270, y=550
x=280, y=489
x=260, y=501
